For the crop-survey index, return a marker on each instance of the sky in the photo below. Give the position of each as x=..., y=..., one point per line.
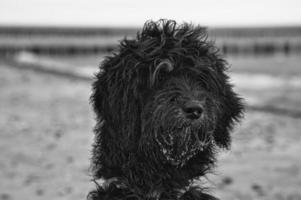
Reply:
x=115, y=13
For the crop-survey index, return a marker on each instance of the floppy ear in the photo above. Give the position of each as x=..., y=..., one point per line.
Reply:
x=232, y=111
x=101, y=94
x=117, y=97
x=117, y=110
x=231, y=108
x=114, y=88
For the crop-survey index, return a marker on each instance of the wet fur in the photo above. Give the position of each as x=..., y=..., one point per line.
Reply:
x=137, y=97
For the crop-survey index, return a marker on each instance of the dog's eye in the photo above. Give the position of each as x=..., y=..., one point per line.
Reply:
x=174, y=99
x=161, y=76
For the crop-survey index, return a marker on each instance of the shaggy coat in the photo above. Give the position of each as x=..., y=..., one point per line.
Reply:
x=163, y=105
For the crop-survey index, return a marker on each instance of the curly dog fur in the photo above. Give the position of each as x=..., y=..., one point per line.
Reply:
x=164, y=105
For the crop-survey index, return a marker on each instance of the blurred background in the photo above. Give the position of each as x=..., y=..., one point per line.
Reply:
x=50, y=49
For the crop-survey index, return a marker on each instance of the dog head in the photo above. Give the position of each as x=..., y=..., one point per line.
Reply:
x=167, y=90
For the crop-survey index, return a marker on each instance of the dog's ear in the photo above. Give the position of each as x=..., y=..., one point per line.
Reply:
x=117, y=99
x=108, y=90
x=163, y=66
x=232, y=112
x=231, y=108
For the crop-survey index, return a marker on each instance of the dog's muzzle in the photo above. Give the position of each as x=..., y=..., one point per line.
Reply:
x=180, y=145
x=193, y=110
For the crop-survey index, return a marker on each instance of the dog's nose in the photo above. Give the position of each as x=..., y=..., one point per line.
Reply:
x=193, y=109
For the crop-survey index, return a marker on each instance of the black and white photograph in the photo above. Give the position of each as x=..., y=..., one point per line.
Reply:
x=150, y=100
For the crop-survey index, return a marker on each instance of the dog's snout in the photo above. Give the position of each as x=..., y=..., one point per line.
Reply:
x=193, y=109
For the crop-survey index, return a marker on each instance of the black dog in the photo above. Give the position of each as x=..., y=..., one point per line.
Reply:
x=163, y=104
